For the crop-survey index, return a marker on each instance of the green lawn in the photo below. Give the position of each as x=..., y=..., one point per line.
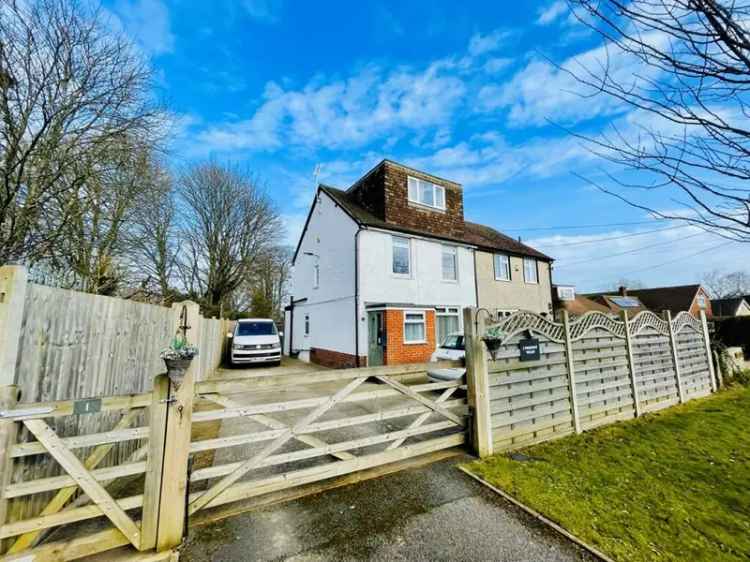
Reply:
x=669, y=486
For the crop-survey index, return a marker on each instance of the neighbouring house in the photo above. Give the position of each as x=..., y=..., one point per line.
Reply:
x=384, y=268
x=690, y=298
x=617, y=302
x=733, y=306
x=564, y=297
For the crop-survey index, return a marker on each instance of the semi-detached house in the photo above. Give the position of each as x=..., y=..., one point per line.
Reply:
x=383, y=270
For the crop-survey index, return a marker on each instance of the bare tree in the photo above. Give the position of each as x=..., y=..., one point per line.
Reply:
x=725, y=285
x=227, y=223
x=692, y=90
x=154, y=238
x=70, y=89
x=270, y=284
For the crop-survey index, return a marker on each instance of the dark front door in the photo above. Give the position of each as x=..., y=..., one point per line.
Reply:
x=375, y=339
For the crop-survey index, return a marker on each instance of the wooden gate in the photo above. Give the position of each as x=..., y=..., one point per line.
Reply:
x=244, y=436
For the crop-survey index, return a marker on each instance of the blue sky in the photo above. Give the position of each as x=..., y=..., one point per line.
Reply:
x=464, y=91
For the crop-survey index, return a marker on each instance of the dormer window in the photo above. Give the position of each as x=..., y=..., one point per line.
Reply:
x=425, y=193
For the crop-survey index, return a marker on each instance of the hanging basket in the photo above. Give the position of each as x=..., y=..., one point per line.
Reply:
x=493, y=345
x=177, y=369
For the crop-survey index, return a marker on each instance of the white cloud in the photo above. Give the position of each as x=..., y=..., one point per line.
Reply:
x=264, y=11
x=148, y=23
x=496, y=65
x=344, y=113
x=583, y=259
x=482, y=44
x=542, y=92
x=552, y=12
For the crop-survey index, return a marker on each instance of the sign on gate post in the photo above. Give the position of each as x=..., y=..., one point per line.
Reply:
x=529, y=349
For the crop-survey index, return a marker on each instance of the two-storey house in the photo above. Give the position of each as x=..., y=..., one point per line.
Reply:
x=383, y=270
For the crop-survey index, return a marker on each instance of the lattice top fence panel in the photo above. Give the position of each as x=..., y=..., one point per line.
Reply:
x=686, y=321
x=644, y=322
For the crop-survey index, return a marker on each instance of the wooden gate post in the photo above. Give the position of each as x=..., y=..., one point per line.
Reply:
x=631, y=364
x=675, y=359
x=477, y=382
x=171, y=413
x=715, y=383
x=13, y=283
x=571, y=373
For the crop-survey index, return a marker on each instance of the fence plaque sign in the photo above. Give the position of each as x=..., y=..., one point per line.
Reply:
x=529, y=349
x=88, y=406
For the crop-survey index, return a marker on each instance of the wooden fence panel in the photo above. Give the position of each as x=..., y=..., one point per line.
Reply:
x=691, y=356
x=654, y=370
x=602, y=378
x=612, y=364
x=529, y=401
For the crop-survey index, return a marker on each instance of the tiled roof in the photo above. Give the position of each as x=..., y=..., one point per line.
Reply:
x=726, y=307
x=475, y=234
x=674, y=299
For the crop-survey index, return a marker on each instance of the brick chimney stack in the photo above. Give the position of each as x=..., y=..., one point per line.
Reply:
x=623, y=291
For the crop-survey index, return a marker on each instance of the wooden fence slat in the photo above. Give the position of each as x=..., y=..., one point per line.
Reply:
x=155, y=461
x=81, y=441
x=75, y=468
x=251, y=463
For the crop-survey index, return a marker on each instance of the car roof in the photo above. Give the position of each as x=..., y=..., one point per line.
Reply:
x=254, y=320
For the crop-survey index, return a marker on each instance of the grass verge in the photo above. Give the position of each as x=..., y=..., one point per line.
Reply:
x=674, y=485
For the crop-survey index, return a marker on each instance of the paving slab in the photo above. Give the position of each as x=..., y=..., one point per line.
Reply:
x=434, y=512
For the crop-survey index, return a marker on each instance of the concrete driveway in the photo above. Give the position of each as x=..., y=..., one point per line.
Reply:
x=433, y=512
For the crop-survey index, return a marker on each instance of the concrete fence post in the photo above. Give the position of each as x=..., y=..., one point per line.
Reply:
x=675, y=358
x=631, y=364
x=571, y=373
x=716, y=381
x=477, y=381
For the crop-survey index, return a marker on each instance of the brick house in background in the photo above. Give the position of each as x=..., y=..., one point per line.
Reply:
x=383, y=270
x=690, y=298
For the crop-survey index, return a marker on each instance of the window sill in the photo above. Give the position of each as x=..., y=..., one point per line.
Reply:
x=450, y=281
x=401, y=275
x=424, y=207
x=503, y=280
x=423, y=342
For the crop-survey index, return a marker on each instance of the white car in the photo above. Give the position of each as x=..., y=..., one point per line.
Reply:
x=452, y=349
x=255, y=340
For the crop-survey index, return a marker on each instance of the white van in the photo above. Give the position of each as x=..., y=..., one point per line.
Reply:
x=255, y=340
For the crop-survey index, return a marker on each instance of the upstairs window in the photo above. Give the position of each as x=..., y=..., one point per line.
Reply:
x=530, y=271
x=401, y=256
x=502, y=267
x=450, y=266
x=426, y=193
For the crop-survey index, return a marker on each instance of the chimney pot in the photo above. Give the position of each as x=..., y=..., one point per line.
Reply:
x=623, y=291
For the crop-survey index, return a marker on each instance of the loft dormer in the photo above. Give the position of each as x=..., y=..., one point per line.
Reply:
x=405, y=197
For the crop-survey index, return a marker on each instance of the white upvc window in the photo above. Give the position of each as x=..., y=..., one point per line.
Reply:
x=450, y=263
x=530, y=270
x=425, y=193
x=502, y=267
x=401, y=263
x=447, y=322
x=501, y=313
x=415, y=330
x=701, y=301
x=316, y=276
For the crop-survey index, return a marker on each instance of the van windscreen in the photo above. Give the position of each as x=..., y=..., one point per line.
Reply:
x=256, y=329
